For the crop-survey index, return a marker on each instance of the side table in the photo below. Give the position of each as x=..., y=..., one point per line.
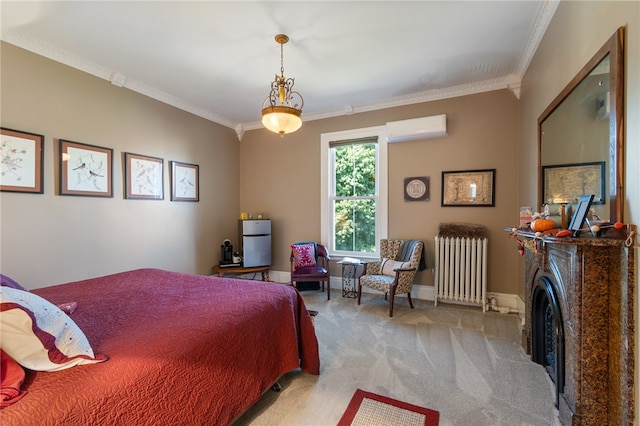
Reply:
x=239, y=270
x=349, y=271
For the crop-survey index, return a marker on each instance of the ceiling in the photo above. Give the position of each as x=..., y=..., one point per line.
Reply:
x=217, y=59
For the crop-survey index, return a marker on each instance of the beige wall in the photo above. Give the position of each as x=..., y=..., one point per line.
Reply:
x=49, y=239
x=281, y=177
x=577, y=31
x=278, y=177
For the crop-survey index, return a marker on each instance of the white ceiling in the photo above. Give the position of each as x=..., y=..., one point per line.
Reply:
x=217, y=59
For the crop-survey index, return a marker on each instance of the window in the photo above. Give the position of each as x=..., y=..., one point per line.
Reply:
x=354, y=191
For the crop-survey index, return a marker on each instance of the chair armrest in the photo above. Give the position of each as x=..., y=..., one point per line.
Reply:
x=372, y=268
x=405, y=269
x=404, y=279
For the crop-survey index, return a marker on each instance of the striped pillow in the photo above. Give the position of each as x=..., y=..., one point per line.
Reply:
x=388, y=266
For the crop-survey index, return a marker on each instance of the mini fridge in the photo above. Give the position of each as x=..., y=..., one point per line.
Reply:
x=255, y=236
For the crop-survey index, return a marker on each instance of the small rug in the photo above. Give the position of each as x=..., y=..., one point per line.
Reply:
x=370, y=409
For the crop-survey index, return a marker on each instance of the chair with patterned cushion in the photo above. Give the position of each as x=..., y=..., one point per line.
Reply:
x=310, y=263
x=395, y=271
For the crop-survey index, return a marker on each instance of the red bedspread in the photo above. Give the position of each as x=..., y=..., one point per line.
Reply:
x=183, y=350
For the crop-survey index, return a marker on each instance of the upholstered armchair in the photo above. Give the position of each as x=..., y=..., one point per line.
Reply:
x=395, y=271
x=310, y=263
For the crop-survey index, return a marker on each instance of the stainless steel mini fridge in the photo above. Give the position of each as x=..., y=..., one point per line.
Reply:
x=256, y=242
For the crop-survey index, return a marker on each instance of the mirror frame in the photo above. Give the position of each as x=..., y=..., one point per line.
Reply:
x=614, y=47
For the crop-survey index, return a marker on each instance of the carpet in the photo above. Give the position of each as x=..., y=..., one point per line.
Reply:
x=368, y=408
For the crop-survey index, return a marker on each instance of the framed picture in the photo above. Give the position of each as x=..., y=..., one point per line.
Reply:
x=566, y=183
x=582, y=211
x=416, y=188
x=21, y=155
x=185, y=182
x=468, y=188
x=143, y=177
x=85, y=169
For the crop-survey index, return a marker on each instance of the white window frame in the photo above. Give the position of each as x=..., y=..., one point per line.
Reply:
x=326, y=176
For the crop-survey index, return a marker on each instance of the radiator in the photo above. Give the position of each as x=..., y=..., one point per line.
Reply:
x=461, y=270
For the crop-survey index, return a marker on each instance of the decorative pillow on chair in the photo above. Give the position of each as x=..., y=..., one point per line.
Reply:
x=389, y=265
x=39, y=336
x=303, y=255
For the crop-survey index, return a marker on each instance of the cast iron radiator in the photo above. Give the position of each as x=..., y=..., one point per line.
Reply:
x=461, y=269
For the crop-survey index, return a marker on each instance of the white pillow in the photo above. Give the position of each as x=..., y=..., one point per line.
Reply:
x=38, y=335
x=389, y=265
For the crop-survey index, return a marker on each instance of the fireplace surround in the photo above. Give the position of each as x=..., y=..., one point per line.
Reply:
x=584, y=289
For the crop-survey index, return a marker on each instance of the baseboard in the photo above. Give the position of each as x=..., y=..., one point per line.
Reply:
x=512, y=302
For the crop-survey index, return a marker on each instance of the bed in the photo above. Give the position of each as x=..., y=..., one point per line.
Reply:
x=182, y=349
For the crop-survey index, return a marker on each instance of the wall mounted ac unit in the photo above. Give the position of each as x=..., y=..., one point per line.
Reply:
x=417, y=128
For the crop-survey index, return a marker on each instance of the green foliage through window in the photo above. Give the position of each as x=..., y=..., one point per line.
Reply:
x=354, y=201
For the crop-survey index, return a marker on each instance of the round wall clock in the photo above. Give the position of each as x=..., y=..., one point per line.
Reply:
x=416, y=188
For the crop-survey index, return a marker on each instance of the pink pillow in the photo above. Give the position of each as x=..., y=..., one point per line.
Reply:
x=39, y=336
x=303, y=255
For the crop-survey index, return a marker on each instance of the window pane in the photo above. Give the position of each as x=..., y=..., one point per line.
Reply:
x=355, y=225
x=355, y=170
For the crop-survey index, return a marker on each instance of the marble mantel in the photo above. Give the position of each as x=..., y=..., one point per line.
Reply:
x=593, y=279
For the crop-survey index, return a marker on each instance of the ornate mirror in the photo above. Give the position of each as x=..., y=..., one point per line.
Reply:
x=581, y=140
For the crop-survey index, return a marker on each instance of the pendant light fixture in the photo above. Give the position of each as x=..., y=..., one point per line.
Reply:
x=282, y=110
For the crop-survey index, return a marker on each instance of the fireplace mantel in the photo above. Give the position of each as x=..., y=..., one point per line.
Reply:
x=594, y=281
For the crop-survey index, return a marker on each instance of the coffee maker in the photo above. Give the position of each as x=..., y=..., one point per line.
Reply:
x=227, y=253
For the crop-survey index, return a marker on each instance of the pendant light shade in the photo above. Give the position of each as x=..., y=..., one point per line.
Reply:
x=281, y=119
x=282, y=110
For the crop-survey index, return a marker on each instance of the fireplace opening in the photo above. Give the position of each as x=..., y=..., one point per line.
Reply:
x=547, y=332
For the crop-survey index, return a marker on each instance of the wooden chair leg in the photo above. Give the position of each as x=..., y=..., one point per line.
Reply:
x=359, y=291
x=410, y=302
x=328, y=289
x=392, y=296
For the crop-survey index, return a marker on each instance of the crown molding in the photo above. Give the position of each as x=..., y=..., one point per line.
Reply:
x=115, y=77
x=511, y=82
x=545, y=14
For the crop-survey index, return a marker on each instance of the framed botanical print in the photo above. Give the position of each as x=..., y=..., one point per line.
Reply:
x=185, y=182
x=85, y=170
x=21, y=165
x=144, y=177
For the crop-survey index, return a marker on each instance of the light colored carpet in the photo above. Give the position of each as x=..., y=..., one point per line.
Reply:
x=467, y=365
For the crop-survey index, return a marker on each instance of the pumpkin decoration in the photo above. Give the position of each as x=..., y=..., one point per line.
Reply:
x=541, y=225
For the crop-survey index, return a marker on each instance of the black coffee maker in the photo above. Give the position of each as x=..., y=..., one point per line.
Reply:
x=227, y=252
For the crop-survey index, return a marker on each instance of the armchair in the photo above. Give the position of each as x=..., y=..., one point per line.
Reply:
x=310, y=263
x=395, y=271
